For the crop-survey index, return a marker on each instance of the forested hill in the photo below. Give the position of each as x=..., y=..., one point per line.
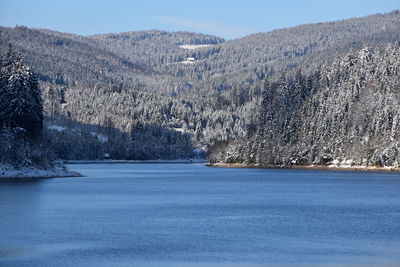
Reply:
x=153, y=47
x=253, y=57
x=136, y=58
x=345, y=113
x=136, y=95
x=125, y=58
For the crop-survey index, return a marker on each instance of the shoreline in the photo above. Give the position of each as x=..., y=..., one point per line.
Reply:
x=21, y=178
x=173, y=161
x=308, y=167
x=9, y=173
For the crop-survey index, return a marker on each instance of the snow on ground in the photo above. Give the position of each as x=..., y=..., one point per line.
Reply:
x=312, y=166
x=8, y=171
x=189, y=60
x=192, y=47
x=181, y=130
x=349, y=164
x=56, y=127
x=361, y=167
x=102, y=138
x=186, y=62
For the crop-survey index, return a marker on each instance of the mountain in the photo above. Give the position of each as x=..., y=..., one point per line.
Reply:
x=174, y=84
x=256, y=55
x=67, y=61
x=126, y=57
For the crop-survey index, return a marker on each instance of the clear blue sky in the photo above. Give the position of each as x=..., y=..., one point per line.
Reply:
x=228, y=19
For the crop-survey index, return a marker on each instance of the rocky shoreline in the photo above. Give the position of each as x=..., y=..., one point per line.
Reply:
x=308, y=167
x=8, y=172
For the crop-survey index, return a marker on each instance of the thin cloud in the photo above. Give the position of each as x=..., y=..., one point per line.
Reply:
x=217, y=29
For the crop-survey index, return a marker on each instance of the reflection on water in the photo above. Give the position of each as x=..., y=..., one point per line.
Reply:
x=19, y=199
x=19, y=206
x=190, y=215
x=19, y=209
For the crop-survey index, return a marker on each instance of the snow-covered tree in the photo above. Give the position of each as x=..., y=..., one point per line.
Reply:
x=21, y=115
x=21, y=101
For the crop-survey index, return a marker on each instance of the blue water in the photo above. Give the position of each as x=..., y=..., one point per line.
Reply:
x=191, y=215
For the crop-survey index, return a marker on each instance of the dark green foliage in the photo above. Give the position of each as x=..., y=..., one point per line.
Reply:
x=21, y=116
x=20, y=97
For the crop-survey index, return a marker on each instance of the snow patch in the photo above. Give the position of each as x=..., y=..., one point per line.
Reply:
x=56, y=127
x=181, y=130
x=9, y=172
x=189, y=60
x=186, y=62
x=102, y=138
x=192, y=47
x=343, y=163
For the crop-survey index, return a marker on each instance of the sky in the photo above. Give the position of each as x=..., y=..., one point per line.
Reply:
x=228, y=19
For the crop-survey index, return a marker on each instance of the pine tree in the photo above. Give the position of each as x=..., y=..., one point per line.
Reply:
x=5, y=65
x=20, y=96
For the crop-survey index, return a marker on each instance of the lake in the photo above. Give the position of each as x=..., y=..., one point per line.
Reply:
x=192, y=215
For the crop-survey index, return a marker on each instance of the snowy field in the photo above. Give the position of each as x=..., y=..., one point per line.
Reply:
x=192, y=47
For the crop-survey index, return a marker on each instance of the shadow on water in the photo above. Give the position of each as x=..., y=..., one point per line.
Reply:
x=16, y=189
x=19, y=203
x=18, y=199
x=20, y=181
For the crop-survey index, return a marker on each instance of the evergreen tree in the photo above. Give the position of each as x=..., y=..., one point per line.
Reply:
x=20, y=96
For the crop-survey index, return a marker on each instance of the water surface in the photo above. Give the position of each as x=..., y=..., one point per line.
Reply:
x=191, y=215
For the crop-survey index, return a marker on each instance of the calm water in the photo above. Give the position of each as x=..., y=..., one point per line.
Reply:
x=191, y=215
